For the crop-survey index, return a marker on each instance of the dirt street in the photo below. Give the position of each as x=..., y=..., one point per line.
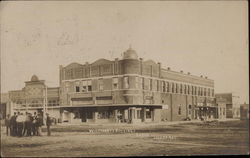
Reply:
x=189, y=138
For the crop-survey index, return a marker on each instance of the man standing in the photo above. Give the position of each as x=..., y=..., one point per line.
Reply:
x=39, y=125
x=29, y=124
x=48, y=124
x=20, y=124
x=34, y=125
x=13, y=125
x=7, y=124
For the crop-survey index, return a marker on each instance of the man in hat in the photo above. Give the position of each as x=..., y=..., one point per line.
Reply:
x=7, y=124
x=48, y=124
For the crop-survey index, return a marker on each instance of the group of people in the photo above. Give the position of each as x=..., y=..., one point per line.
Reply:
x=26, y=125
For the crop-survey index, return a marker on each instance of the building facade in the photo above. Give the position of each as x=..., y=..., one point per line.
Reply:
x=133, y=90
x=35, y=97
x=128, y=90
x=232, y=104
x=244, y=111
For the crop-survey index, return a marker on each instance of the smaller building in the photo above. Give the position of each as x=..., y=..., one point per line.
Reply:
x=244, y=111
x=4, y=108
x=35, y=97
x=221, y=104
x=232, y=104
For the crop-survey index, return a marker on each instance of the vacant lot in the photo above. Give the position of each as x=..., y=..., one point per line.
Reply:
x=189, y=138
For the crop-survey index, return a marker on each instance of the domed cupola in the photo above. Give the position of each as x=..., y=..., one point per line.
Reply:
x=130, y=54
x=34, y=78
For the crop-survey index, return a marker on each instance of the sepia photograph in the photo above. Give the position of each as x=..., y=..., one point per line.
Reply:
x=124, y=78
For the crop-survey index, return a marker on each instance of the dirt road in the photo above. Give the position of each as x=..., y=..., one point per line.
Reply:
x=193, y=138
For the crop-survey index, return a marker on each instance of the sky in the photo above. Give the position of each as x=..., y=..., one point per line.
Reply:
x=208, y=38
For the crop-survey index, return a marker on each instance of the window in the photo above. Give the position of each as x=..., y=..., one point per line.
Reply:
x=138, y=114
x=77, y=89
x=148, y=113
x=179, y=110
x=157, y=85
x=89, y=85
x=84, y=87
x=136, y=82
x=184, y=89
x=103, y=115
x=181, y=89
x=212, y=92
x=100, y=83
x=205, y=92
x=142, y=83
x=173, y=85
x=150, y=84
x=189, y=109
x=167, y=86
x=176, y=88
x=115, y=83
x=201, y=91
x=126, y=82
x=163, y=86
x=208, y=92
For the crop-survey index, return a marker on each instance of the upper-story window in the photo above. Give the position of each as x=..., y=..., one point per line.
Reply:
x=136, y=82
x=184, y=89
x=177, y=88
x=84, y=86
x=157, y=85
x=212, y=93
x=150, y=84
x=163, y=86
x=126, y=82
x=181, y=89
x=77, y=89
x=208, y=93
x=142, y=83
x=173, y=87
x=167, y=86
x=205, y=92
x=115, y=83
x=89, y=85
x=201, y=91
x=100, y=83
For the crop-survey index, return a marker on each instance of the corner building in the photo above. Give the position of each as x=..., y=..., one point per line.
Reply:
x=132, y=90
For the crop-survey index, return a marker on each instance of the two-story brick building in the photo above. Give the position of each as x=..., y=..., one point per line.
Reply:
x=132, y=90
